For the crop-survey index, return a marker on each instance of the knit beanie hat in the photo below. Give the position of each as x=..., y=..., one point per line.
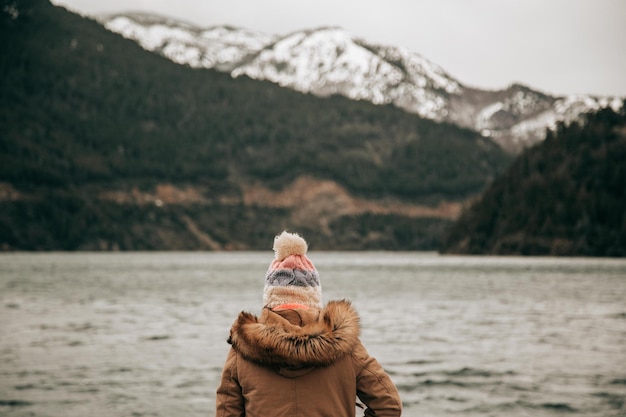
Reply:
x=291, y=277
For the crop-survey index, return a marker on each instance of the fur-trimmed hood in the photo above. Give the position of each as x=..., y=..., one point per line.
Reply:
x=297, y=338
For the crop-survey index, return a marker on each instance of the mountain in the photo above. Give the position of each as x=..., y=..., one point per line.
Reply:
x=105, y=146
x=564, y=196
x=329, y=60
x=218, y=47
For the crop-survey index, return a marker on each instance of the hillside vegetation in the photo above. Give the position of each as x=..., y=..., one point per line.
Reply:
x=565, y=196
x=92, y=127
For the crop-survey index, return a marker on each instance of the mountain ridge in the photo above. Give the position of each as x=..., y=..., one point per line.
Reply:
x=105, y=146
x=395, y=76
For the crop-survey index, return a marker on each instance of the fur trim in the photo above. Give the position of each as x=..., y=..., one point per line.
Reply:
x=287, y=244
x=274, y=341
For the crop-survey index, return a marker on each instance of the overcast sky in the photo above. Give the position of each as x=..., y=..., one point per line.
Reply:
x=556, y=46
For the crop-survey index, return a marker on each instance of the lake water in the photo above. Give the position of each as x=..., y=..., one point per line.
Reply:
x=143, y=334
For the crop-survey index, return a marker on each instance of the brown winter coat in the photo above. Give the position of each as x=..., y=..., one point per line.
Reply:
x=303, y=363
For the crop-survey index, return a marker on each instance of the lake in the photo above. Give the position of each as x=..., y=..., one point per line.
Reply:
x=144, y=334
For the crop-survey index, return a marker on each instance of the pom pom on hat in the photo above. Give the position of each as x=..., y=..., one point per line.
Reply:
x=291, y=278
x=287, y=244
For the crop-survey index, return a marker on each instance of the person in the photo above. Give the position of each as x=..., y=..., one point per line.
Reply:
x=299, y=358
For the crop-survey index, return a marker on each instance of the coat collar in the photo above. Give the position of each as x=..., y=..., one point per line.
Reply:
x=316, y=338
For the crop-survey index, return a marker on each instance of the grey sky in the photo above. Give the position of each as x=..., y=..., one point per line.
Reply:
x=557, y=46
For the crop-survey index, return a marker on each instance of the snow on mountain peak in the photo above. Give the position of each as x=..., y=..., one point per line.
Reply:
x=329, y=60
x=216, y=47
x=421, y=71
x=152, y=36
x=323, y=62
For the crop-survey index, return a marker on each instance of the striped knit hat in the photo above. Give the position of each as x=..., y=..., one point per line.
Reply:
x=291, y=278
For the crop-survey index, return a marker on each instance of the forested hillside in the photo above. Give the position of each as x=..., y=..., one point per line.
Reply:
x=106, y=146
x=566, y=196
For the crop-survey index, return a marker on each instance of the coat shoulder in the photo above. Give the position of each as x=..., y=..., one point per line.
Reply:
x=320, y=340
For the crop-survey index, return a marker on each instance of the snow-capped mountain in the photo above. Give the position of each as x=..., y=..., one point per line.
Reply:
x=219, y=47
x=329, y=60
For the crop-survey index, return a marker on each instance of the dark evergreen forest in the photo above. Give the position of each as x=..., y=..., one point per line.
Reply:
x=565, y=196
x=81, y=104
x=84, y=110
